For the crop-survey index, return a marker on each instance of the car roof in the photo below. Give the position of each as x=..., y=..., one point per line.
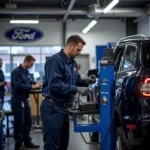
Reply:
x=140, y=38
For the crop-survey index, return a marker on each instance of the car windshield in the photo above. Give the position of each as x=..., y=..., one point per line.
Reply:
x=146, y=55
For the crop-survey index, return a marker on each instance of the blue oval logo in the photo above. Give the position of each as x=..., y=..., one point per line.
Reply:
x=23, y=34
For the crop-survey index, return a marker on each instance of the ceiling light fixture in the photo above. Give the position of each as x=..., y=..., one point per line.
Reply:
x=24, y=21
x=91, y=24
x=110, y=6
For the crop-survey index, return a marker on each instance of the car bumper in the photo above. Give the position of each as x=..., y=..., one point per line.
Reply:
x=143, y=120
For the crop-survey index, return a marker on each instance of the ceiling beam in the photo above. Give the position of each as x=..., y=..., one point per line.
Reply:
x=68, y=10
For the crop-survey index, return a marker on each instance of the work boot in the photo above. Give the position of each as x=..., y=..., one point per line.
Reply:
x=31, y=145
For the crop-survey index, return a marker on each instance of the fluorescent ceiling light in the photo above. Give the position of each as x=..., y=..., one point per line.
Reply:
x=92, y=23
x=24, y=21
x=110, y=6
x=86, y=29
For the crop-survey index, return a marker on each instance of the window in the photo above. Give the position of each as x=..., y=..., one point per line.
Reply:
x=37, y=67
x=15, y=65
x=118, y=56
x=129, y=58
x=4, y=50
x=7, y=67
x=39, y=52
x=25, y=50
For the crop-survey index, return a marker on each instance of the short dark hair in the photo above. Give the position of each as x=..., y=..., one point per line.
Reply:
x=1, y=59
x=28, y=58
x=75, y=39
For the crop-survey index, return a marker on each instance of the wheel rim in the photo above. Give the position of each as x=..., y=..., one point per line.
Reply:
x=118, y=143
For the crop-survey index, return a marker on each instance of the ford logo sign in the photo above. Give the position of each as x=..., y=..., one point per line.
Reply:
x=23, y=34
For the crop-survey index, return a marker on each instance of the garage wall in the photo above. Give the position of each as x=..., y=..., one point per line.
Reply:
x=104, y=31
x=52, y=33
x=144, y=26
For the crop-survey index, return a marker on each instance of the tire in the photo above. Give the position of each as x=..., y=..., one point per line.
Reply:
x=121, y=143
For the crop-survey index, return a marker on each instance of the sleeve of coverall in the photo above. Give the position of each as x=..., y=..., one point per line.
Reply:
x=18, y=82
x=55, y=78
x=80, y=82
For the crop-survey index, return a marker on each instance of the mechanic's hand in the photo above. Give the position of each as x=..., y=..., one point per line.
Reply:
x=83, y=91
x=91, y=79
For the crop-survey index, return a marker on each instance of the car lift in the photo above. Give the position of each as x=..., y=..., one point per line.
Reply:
x=106, y=125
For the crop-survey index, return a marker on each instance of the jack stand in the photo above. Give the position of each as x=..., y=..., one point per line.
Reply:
x=106, y=125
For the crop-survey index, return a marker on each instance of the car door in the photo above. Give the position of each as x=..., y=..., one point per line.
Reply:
x=126, y=69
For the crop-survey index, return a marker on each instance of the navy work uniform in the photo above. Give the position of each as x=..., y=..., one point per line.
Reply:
x=59, y=87
x=20, y=87
x=2, y=88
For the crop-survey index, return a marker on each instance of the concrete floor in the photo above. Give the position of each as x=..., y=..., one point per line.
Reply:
x=76, y=142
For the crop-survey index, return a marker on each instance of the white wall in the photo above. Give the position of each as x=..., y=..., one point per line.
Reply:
x=52, y=33
x=104, y=31
x=144, y=26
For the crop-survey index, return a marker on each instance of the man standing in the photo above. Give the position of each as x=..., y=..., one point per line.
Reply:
x=20, y=87
x=61, y=83
x=2, y=82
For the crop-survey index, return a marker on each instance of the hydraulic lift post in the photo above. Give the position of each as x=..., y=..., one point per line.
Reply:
x=107, y=105
x=106, y=126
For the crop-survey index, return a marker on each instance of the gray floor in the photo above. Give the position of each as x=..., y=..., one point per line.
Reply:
x=76, y=142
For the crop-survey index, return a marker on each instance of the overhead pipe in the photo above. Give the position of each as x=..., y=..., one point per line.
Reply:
x=44, y=11
x=95, y=12
x=117, y=12
x=69, y=10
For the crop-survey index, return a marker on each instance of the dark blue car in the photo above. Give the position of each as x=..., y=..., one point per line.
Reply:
x=132, y=91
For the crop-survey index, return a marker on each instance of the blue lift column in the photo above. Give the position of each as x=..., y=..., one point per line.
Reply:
x=106, y=126
x=107, y=134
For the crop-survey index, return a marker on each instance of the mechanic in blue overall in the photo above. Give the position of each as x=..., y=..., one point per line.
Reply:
x=2, y=83
x=61, y=83
x=20, y=87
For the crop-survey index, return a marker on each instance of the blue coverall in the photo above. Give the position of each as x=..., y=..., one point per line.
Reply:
x=20, y=87
x=60, y=81
x=2, y=88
